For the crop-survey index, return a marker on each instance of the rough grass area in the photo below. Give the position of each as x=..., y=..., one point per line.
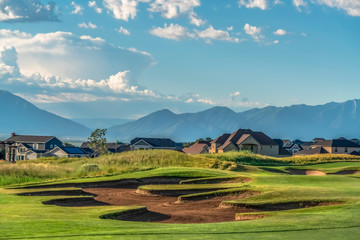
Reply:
x=51, y=169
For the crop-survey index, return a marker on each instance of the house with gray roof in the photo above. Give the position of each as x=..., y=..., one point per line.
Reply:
x=152, y=143
x=68, y=152
x=29, y=147
x=245, y=139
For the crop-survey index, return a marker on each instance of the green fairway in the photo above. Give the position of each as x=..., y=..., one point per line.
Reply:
x=317, y=207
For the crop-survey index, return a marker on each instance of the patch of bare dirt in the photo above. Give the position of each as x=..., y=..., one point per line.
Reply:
x=305, y=172
x=129, y=183
x=205, y=211
x=245, y=217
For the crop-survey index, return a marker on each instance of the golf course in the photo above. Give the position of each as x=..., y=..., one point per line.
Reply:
x=163, y=194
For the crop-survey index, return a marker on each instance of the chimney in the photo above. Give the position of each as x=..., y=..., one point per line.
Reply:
x=12, y=134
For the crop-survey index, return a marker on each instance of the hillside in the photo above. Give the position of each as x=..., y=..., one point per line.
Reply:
x=22, y=117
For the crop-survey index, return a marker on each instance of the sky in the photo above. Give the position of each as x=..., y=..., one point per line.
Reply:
x=128, y=58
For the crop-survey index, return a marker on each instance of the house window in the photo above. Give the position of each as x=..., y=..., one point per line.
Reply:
x=336, y=149
x=270, y=147
x=51, y=146
x=346, y=150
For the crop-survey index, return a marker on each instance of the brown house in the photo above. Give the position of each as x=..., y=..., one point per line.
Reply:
x=200, y=147
x=245, y=139
x=336, y=146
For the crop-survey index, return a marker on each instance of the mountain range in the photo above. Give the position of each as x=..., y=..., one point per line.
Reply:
x=20, y=116
x=331, y=120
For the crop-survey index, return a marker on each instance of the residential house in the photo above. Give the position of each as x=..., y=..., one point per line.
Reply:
x=28, y=147
x=152, y=143
x=199, y=147
x=336, y=146
x=246, y=139
x=288, y=145
x=68, y=152
x=111, y=147
x=216, y=143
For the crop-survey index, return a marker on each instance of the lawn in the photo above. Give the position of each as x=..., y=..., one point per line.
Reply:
x=26, y=217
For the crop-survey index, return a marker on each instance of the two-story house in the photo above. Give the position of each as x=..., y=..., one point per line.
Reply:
x=245, y=139
x=28, y=147
x=336, y=146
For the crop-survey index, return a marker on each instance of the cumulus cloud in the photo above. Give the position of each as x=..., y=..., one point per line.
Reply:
x=123, y=9
x=77, y=8
x=87, y=25
x=93, y=4
x=27, y=11
x=67, y=55
x=173, y=8
x=195, y=20
x=116, y=84
x=172, y=31
x=280, y=32
x=352, y=7
x=253, y=31
x=299, y=4
x=262, y=4
x=123, y=31
x=237, y=93
x=213, y=34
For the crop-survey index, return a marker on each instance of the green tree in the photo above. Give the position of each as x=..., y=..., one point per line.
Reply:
x=97, y=142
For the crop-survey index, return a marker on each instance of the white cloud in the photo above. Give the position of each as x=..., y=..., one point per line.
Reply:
x=77, y=8
x=278, y=2
x=123, y=31
x=230, y=28
x=195, y=20
x=276, y=41
x=212, y=34
x=173, y=31
x=253, y=31
x=27, y=11
x=299, y=3
x=262, y=4
x=280, y=32
x=206, y=101
x=67, y=55
x=352, y=7
x=123, y=9
x=303, y=34
x=92, y=4
x=237, y=93
x=87, y=25
x=173, y=8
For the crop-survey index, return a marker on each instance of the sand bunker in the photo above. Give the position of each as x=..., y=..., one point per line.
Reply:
x=305, y=172
x=278, y=206
x=129, y=183
x=57, y=193
x=75, y=202
x=346, y=172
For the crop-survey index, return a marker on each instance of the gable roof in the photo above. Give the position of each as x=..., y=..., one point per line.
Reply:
x=197, y=147
x=337, y=143
x=222, y=139
x=30, y=139
x=156, y=142
x=108, y=145
x=71, y=150
x=240, y=135
x=312, y=151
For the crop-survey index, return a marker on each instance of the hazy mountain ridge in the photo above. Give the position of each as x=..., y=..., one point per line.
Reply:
x=330, y=120
x=22, y=117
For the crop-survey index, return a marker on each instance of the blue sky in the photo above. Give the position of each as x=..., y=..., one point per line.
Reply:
x=127, y=58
